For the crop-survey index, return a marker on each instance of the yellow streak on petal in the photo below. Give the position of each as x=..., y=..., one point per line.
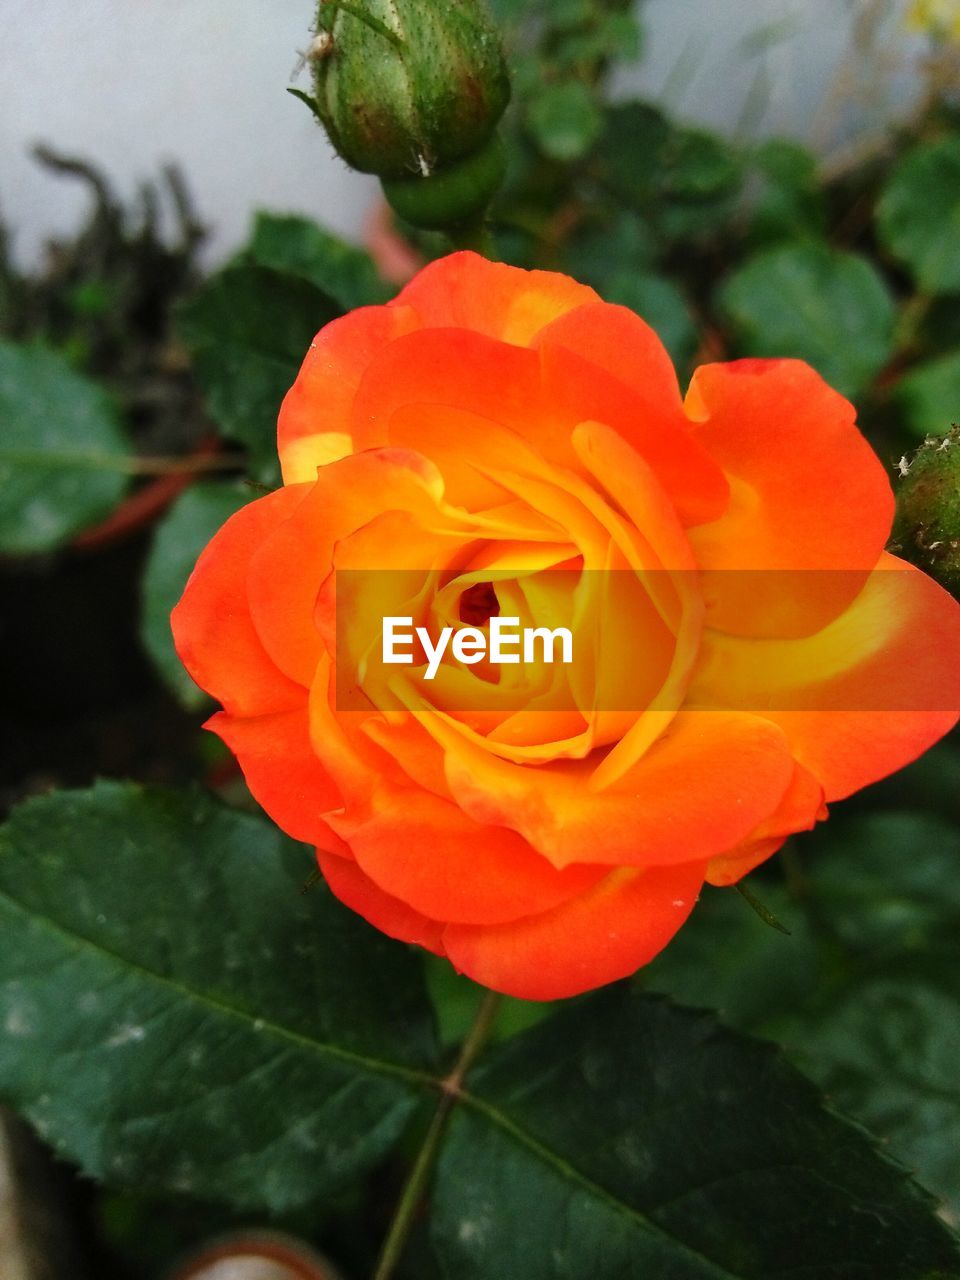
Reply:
x=301, y=458
x=737, y=672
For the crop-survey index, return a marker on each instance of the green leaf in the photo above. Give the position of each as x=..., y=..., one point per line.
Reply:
x=700, y=166
x=694, y=221
x=308, y=101
x=889, y=880
x=930, y=395
x=180, y=1017
x=507, y=12
x=569, y=14
x=599, y=250
x=885, y=1045
x=589, y=36
x=918, y=215
x=302, y=248
x=64, y=461
x=628, y=1138
x=685, y=181
x=865, y=994
x=817, y=304
x=565, y=120
x=790, y=202
x=248, y=330
x=658, y=301
x=185, y=530
x=726, y=958
x=629, y=153
x=883, y=1035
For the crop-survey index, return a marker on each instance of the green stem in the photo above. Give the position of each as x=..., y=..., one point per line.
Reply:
x=419, y=1175
x=475, y=236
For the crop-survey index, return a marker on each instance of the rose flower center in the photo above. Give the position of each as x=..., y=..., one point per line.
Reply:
x=478, y=604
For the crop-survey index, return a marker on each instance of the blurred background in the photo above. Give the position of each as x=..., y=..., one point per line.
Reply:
x=131, y=87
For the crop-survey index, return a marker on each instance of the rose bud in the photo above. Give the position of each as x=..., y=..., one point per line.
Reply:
x=412, y=91
x=927, y=527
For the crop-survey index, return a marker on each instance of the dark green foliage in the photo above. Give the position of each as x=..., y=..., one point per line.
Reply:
x=302, y=248
x=864, y=993
x=565, y=120
x=919, y=213
x=180, y=1017
x=248, y=330
x=64, y=461
x=626, y=1138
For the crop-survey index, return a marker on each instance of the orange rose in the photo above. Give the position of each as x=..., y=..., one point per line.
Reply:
x=548, y=830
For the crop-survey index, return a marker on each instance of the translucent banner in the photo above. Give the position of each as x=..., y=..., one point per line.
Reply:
x=470, y=641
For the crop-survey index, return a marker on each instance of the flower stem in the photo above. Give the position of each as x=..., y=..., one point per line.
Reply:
x=419, y=1176
x=475, y=236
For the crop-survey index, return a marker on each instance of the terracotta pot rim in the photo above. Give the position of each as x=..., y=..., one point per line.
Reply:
x=304, y=1263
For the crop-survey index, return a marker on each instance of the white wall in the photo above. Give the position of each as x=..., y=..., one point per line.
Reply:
x=819, y=70
x=132, y=83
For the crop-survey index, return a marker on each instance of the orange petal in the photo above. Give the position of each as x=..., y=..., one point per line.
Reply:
x=357, y=766
x=319, y=402
x=727, y=870
x=290, y=565
x=603, y=363
x=808, y=492
x=604, y=934
x=426, y=390
x=627, y=478
x=212, y=626
x=633, y=486
x=801, y=808
x=467, y=291
x=430, y=854
x=861, y=698
x=416, y=391
x=303, y=456
x=391, y=916
x=616, y=339
x=414, y=751
x=848, y=750
x=282, y=772
x=374, y=578
x=731, y=771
